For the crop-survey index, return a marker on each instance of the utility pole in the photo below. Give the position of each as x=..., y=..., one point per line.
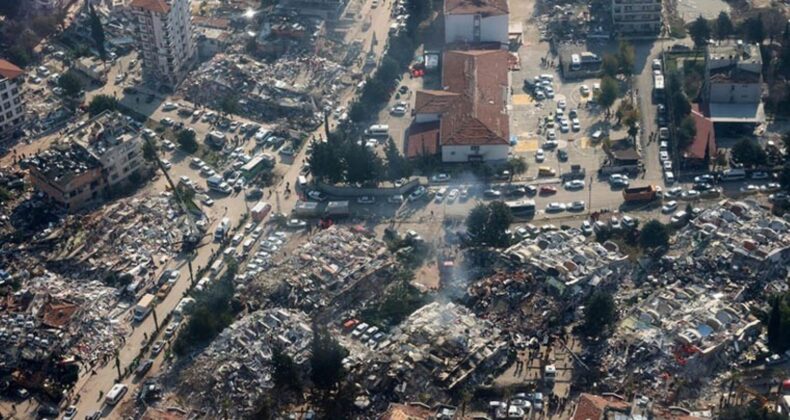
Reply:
x=156, y=320
x=118, y=366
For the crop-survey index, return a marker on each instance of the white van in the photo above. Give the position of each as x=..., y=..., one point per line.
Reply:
x=669, y=177
x=116, y=393
x=733, y=175
x=378, y=130
x=248, y=244
x=302, y=180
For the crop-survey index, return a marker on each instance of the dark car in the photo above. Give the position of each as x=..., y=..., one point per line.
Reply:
x=254, y=194
x=48, y=411
x=562, y=155
x=144, y=367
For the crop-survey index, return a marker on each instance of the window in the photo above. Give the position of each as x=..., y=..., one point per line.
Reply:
x=476, y=149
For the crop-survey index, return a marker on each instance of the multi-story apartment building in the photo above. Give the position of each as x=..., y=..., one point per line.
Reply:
x=636, y=17
x=733, y=82
x=96, y=156
x=12, y=109
x=165, y=39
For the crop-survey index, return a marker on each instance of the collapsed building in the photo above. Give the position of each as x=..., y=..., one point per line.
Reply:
x=229, y=376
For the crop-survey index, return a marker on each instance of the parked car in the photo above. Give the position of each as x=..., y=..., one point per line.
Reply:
x=316, y=195
x=555, y=207
x=669, y=207
x=366, y=199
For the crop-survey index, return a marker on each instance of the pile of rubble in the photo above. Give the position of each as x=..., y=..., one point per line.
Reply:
x=333, y=261
x=695, y=316
x=442, y=345
x=229, y=376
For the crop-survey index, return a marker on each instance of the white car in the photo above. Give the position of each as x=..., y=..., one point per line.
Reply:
x=540, y=156
x=551, y=134
x=669, y=207
x=439, y=197
x=169, y=106
x=585, y=90
x=690, y=195
x=663, y=155
x=453, y=195
x=576, y=184
x=555, y=207
x=674, y=192
x=576, y=125
x=679, y=217
x=166, y=163
x=668, y=165
x=750, y=189
x=587, y=228
x=561, y=104
x=576, y=206
x=564, y=126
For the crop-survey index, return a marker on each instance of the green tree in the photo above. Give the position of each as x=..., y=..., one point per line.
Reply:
x=700, y=32
x=70, y=83
x=784, y=176
x=326, y=360
x=397, y=166
x=101, y=103
x=626, y=57
x=654, y=234
x=610, y=65
x=285, y=373
x=686, y=132
x=748, y=152
x=186, y=139
x=779, y=323
x=362, y=164
x=325, y=161
x=516, y=165
x=599, y=313
x=724, y=27
x=487, y=224
x=753, y=29
x=149, y=151
x=97, y=31
x=230, y=104
x=609, y=93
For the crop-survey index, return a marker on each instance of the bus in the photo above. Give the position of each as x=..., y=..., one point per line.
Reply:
x=378, y=130
x=116, y=393
x=522, y=207
x=144, y=306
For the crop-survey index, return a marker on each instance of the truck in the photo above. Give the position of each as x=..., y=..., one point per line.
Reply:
x=222, y=230
x=144, y=306
x=576, y=172
x=337, y=209
x=260, y=211
x=634, y=194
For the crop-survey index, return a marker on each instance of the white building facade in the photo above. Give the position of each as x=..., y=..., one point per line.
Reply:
x=476, y=21
x=12, y=107
x=637, y=17
x=165, y=39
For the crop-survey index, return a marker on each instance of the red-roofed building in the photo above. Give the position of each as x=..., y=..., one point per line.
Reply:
x=12, y=108
x=596, y=407
x=703, y=147
x=471, y=110
x=475, y=21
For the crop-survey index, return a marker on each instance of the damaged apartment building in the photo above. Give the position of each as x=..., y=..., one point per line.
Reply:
x=92, y=159
x=698, y=315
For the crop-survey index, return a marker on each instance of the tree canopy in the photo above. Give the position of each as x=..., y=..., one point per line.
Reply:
x=70, y=83
x=609, y=92
x=186, y=139
x=686, y=132
x=325, y=161
x=599, y=313
x=779, y=323
x=610, y=65
x=700, y=32
x=748, y=152
x=326, y=360
x=101, y=103
x=97, y=31
x=724, y=27
x=487, y=224
x=362, y=164
x=626, y=56
x=654, y=234
x=397, y=165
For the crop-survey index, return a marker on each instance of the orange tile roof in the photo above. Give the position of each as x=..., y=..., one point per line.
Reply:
x=59, y=315
x=705, y=139
x=406, y=412
x=157, y=6
x=433, y=101
x=423, y=140
x=9, y=70
x=594, y=407
x=480, y=117
x=474, y=7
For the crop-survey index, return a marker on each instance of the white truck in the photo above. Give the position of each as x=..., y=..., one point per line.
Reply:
x=144, y=306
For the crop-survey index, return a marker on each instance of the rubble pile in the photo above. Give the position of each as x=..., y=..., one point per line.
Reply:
x=236, y=367
x=567, y=258
x=123, y=237
x=444, y=345
x=331, y=262
x=696, y=318
x=283, y=89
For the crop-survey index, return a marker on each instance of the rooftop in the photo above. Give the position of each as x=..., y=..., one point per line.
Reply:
x=704, y=143
x=735, y=50
x=63, y=162
x=474, y=7
x=8, y=70
x=156, y=6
